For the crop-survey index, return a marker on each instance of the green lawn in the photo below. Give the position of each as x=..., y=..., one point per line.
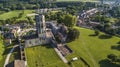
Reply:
x=78, y=0
x=10, y=14
x=4, y=54
x=43, y=56
x=93, y=49
x=1, y=47
x=15, y=13
x=25, y=14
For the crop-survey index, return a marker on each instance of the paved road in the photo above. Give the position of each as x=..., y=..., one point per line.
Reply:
x=8, y=56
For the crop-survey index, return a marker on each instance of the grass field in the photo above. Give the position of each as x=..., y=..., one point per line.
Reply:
x=43, y=56
x=15, y=13
x=78, y=0
x=25, y=14
x=2, y=49
x=93, y=49
x=10, y=14
x=6, y=51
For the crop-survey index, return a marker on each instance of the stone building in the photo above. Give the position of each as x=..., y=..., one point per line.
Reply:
x=40, y=37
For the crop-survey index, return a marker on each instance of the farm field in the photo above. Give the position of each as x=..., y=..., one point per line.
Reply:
x=43, y=56
x=93, y=49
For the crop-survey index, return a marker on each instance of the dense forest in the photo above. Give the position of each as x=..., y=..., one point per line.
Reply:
x=8, y=5
x=24, y=4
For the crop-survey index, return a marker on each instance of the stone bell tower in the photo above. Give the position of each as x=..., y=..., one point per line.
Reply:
x=40, y=24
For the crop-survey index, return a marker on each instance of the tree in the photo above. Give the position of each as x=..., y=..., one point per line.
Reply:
x=69, y=20
x=72, y=34
x=72, y=10
x=13, y=7
x=37, y=6
x=30, y=20
x=112, y=57
x=6, y=29
x=112, y=31
x=20, y=6
x=97, y=32
x=59, y=16
x=21, y=14
x=115, y=11
x=107, y=26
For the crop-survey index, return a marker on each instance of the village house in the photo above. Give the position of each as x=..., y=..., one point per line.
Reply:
x=8, y=37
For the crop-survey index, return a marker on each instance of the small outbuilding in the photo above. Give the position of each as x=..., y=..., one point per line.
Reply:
x=75, y=58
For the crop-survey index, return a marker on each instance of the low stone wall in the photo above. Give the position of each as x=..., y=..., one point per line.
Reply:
x=69, y=49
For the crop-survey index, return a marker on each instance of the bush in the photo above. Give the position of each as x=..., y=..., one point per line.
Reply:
x=112, y=57
x=97, y=32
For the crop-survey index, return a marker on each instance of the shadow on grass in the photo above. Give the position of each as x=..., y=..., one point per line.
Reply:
x=45, y=45
x=84, y=62
x=7, y=50
x=15, y=41
x=105, y=36
x=93, y=35
x=16, y=53
x=107, y=63
x=10, y=64
x=118, y=42
x=70, y=40
x=116, y=47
